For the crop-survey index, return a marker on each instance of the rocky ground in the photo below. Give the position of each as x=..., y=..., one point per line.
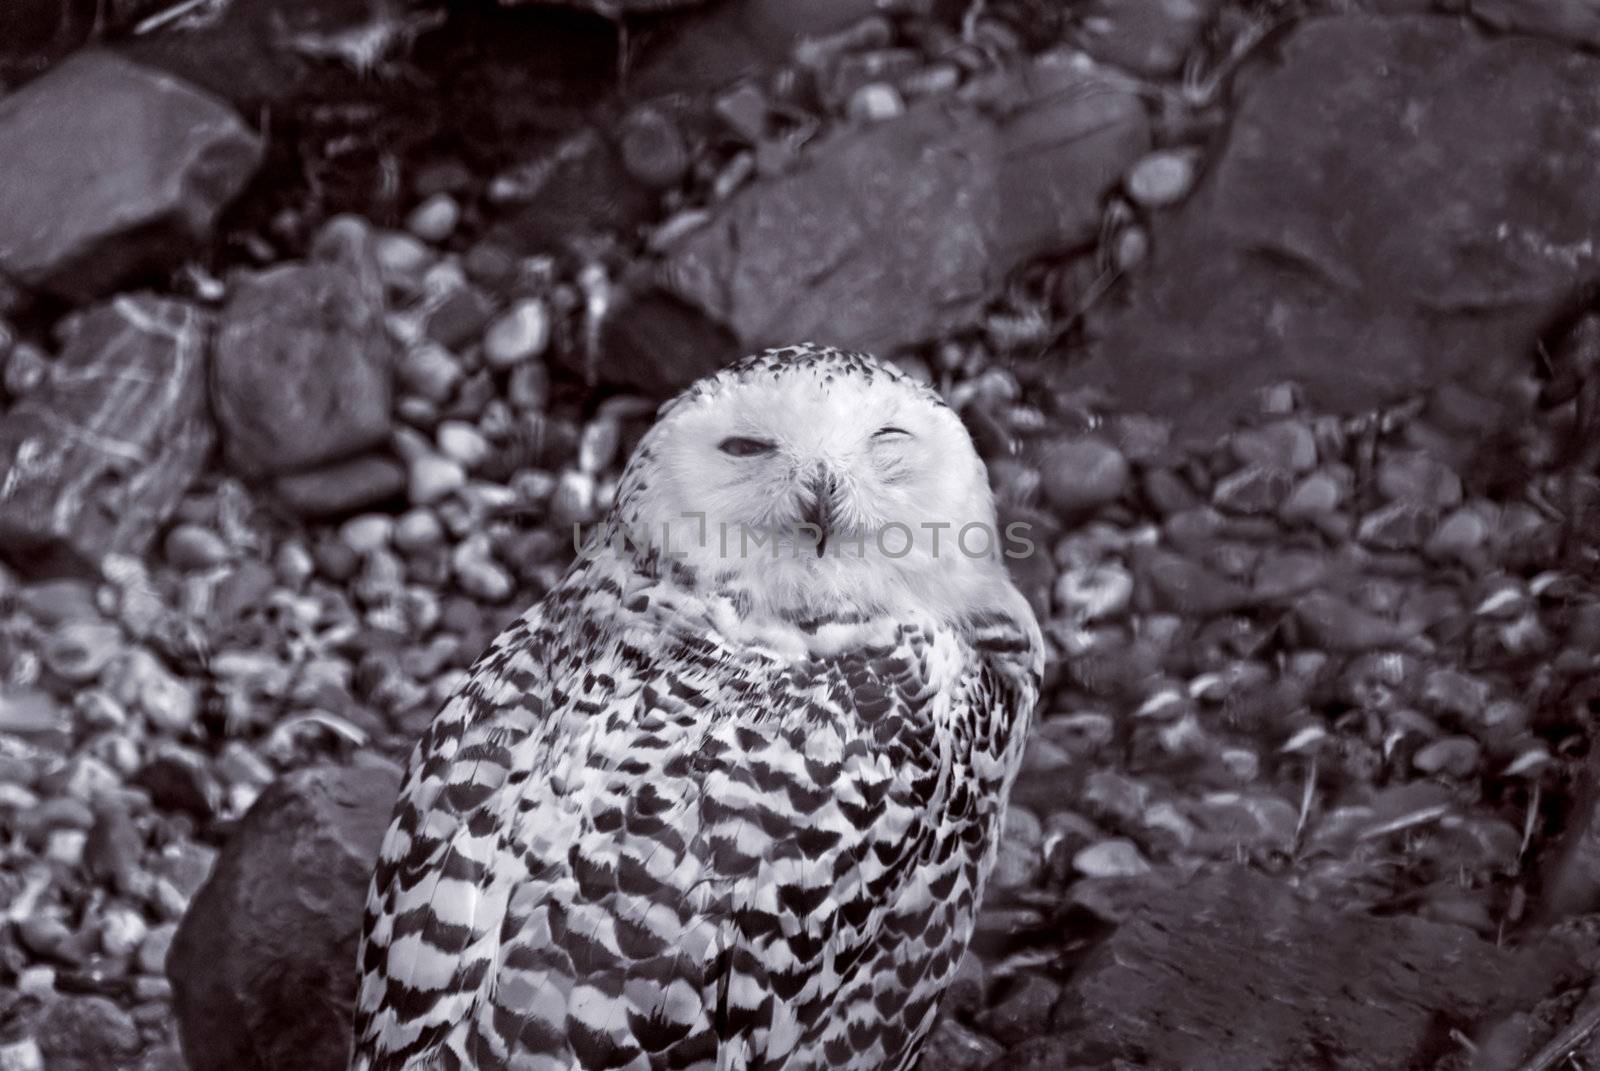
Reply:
x=325, y=327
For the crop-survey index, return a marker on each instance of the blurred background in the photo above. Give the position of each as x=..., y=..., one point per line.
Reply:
x=323, y=323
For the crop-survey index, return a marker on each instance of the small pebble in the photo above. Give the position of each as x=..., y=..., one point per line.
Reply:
x=1133, y=246
x=875, y=103
x=1456, y=756
x=293, y=563
x=1115, y=858
x=573, y=499
x=367, y=533
x=1019, y=860
x=63, y=812
x=528, y=389
x=744, y=111
x=168, y=702
x=1415, y=477
x=65, y=846
x=1163, y=178
x=154, y=991
x=653, y=148
x=37, y=981
x=1083, y=474
x=598, y=446
x=122, y=930
x=1317, y=495
x=1243, y=764
x=1253, y=490
x=430, y=371
x=24, y=1055
x=1024, y=1012
x=462, y=442
x=190, y=546
x=78, y=651
x=153, y=949
x=1335, y=624
x=435, y=219
x=431, y=477
x=26, y=711
x=519, y=335
x=25, y=370
x=401, y=259
x=459, y=317
x=1450, y=691
x=1284, y=444
x=954, y=1047
x=478, y=573
x=48, y=937
x=1402, y=525
x=418, y=530
x=933, y=80
x=1094, y=592
x=1459, y=536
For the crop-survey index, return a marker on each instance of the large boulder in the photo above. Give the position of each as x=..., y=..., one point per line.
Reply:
x=112, y=169
x=96, y=460
x=1400, y=202
x=263, y=966
x=1234, y=969
x=896, y=232
x=303, y=365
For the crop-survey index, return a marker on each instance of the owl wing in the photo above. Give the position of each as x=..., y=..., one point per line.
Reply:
x=720, y=874
x=433, y=910
x=905, y=918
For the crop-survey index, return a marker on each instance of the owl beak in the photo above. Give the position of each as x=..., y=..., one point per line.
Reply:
x=819, y=504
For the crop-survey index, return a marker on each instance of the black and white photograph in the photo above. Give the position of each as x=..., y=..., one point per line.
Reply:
x=799, y=535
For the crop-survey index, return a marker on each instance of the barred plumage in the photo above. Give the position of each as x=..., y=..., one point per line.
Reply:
x=702, y=810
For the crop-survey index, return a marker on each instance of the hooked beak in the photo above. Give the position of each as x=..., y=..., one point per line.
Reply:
x=819, y=505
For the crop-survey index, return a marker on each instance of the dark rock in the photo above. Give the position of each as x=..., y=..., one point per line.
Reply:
x=659, y=345
x=113, y=851
x=343, y=487
x=709, y=50
x=86, y=1034
x=898, y=231
x=653, y=147
x=1184, y=982
x=97, y=460
x=302, y=366
x=581, y=188
x=1573, y=21
x=1254, y=489
x=1338, y=625
x=460, y=317
x=178, y=780
x=263, y=965
x=114, y=170
x=1067, y=133
x=862, y=247
x=1472, y=225
x=1397, y=526
x=1081, y=475
x=244, y=588
x=953, y=1047
x=1186, y=587
x=1571, y=871
x=1022, y=1013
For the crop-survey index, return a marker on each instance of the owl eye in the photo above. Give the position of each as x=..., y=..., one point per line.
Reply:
x=738, y=446
x=891, y=432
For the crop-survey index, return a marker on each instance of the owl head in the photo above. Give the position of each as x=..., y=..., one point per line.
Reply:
x=818, y=481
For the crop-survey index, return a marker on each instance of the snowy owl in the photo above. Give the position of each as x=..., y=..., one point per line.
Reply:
x=727, y=798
